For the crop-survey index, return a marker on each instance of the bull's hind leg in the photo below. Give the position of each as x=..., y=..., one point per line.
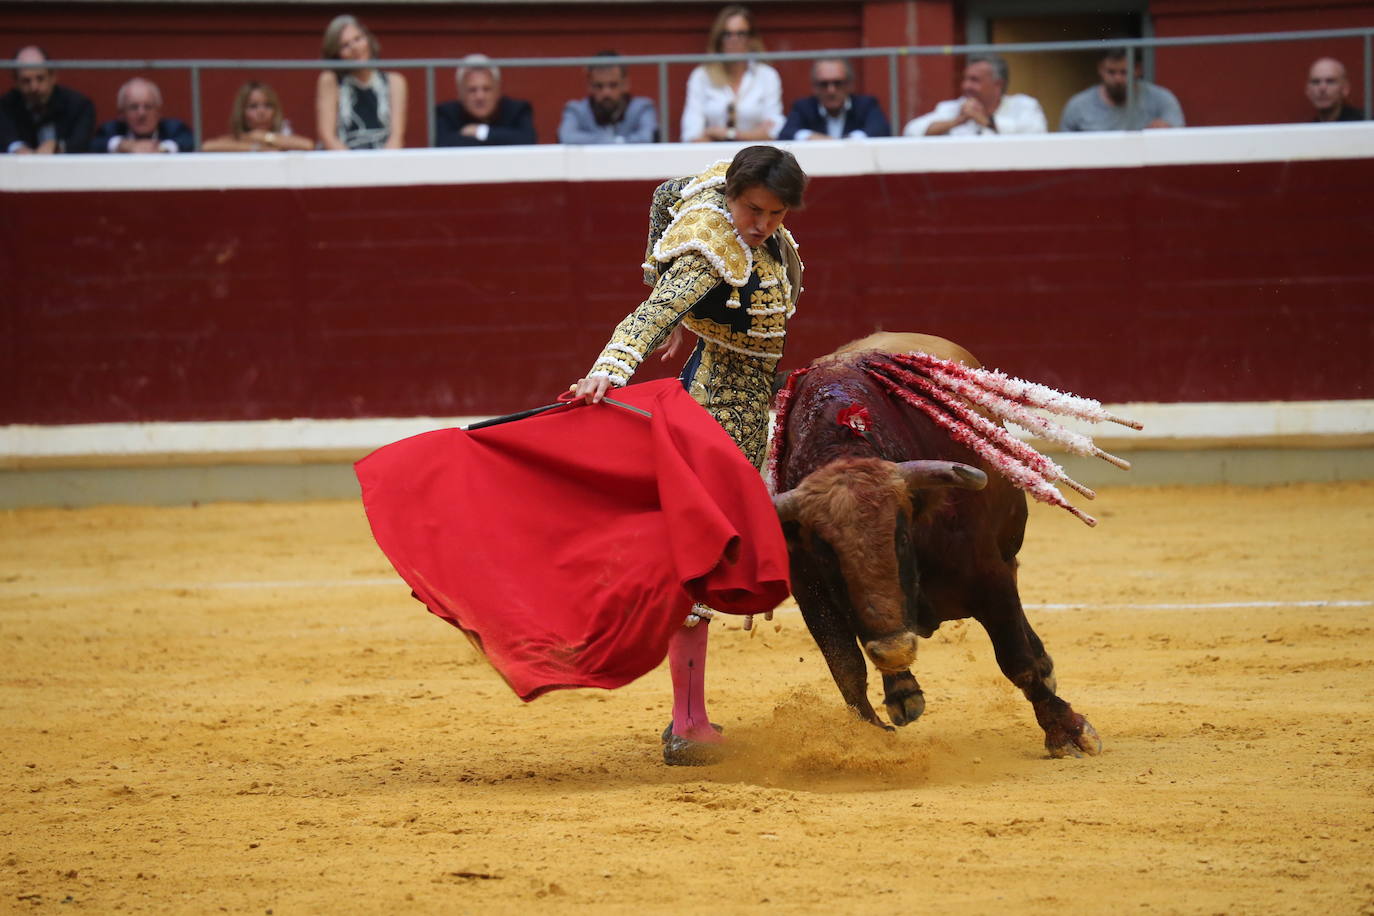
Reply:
x=903, y=697
x=1023, y=659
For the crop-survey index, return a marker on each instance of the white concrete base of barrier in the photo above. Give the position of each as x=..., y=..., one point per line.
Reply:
x=179, y=463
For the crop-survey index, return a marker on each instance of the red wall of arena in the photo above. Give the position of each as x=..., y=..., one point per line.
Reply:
x=1187, y=283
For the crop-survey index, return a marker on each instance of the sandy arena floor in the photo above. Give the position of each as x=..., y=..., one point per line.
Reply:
x=239, y=708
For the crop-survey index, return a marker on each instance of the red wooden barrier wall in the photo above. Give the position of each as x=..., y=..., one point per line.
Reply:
x=1179, y=283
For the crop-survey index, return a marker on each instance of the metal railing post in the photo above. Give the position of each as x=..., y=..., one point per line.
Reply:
x=1130, y=83
x=430, y=102
x=1368, y=79
x=195, y=107
x=663, y=101
x=894, y=94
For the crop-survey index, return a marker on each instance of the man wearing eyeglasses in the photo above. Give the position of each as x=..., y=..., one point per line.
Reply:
x=141, y=127
x=834, y=112
x=984, y=106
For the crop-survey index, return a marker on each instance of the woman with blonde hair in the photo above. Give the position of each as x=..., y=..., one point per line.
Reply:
x=358, y=106
x=733, y=100
x=256, y=124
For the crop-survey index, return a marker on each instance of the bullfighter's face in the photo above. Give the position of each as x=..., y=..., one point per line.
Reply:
x=757, y=213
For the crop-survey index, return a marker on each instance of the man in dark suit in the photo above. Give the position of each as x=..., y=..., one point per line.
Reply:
x=141, y=128
x=834, y=112
x=482, y=116
x=39, y=116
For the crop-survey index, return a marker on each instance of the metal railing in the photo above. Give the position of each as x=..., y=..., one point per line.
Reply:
x=893, y=55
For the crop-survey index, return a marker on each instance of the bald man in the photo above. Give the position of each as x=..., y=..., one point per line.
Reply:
x=39, y=116
x=141, y=128
x=1328, y=88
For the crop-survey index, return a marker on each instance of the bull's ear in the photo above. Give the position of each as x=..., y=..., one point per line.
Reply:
x=921, y=474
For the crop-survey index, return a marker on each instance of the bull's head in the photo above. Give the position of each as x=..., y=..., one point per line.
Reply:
x=849, y=527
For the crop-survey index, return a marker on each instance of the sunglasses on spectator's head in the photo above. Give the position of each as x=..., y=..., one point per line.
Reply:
x=735, y=34
x=830, y=84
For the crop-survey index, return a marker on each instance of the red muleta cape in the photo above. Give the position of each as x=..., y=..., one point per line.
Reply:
x=570, y=545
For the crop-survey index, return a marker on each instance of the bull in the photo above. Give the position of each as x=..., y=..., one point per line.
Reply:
x=894, y=528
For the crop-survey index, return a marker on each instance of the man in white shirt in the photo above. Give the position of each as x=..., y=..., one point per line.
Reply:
x=984, y=108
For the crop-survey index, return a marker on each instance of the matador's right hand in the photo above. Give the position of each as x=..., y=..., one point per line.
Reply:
x=590, y=390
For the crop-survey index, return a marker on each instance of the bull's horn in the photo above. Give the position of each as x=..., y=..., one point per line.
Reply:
x=918, y=474
x=786, y=504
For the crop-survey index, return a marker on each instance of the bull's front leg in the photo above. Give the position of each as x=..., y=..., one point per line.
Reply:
x=1023, y=659
x=840, y=649
x=903, y=697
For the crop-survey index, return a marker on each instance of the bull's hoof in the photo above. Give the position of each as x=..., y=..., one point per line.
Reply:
x=1080, y=740
x=684, y=752
x=906, y=709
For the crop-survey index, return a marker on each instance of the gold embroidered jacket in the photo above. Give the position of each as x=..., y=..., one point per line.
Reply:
x=736, y=299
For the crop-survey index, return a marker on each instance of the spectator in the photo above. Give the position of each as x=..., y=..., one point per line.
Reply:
x=142, y=128
x=1328, y=88
x=39, y=116
x=257, y=124
x=984, y=107
x=482, y=116
x=1103, y=107
x=834, y=112
x=360, y=108
x=609, y=114
x=733, y=100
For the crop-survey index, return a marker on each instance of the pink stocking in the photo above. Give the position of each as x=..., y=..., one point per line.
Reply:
x=687, y=663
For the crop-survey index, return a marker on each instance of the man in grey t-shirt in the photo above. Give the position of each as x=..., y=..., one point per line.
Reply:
x=1103, y=107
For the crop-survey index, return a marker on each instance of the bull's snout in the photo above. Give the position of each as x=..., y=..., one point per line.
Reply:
x=893, y=653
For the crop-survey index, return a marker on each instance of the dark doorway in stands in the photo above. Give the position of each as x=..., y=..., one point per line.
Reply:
x=1052, y=77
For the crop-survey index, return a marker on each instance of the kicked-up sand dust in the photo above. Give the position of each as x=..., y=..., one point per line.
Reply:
x=239, y=708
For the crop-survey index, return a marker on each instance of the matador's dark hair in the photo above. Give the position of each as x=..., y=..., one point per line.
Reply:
x=773, y=168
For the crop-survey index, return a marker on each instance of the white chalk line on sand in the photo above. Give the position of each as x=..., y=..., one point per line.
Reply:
x=40, y=590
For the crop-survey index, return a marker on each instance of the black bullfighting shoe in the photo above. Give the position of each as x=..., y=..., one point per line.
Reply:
x=684, y=752
x=668, y=732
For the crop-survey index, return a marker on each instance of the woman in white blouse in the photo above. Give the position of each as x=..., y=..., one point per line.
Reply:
x=734, y=100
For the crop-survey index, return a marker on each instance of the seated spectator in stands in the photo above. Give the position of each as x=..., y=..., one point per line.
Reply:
x=984, y=107
x=735, y=100
x=834, y=112
x=39, y=116
x=142, y=129
x=1103, y=107
x=257, y=124
x=482, y=116
x=1328, y=88
x=358, y=107
x=609, y=114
